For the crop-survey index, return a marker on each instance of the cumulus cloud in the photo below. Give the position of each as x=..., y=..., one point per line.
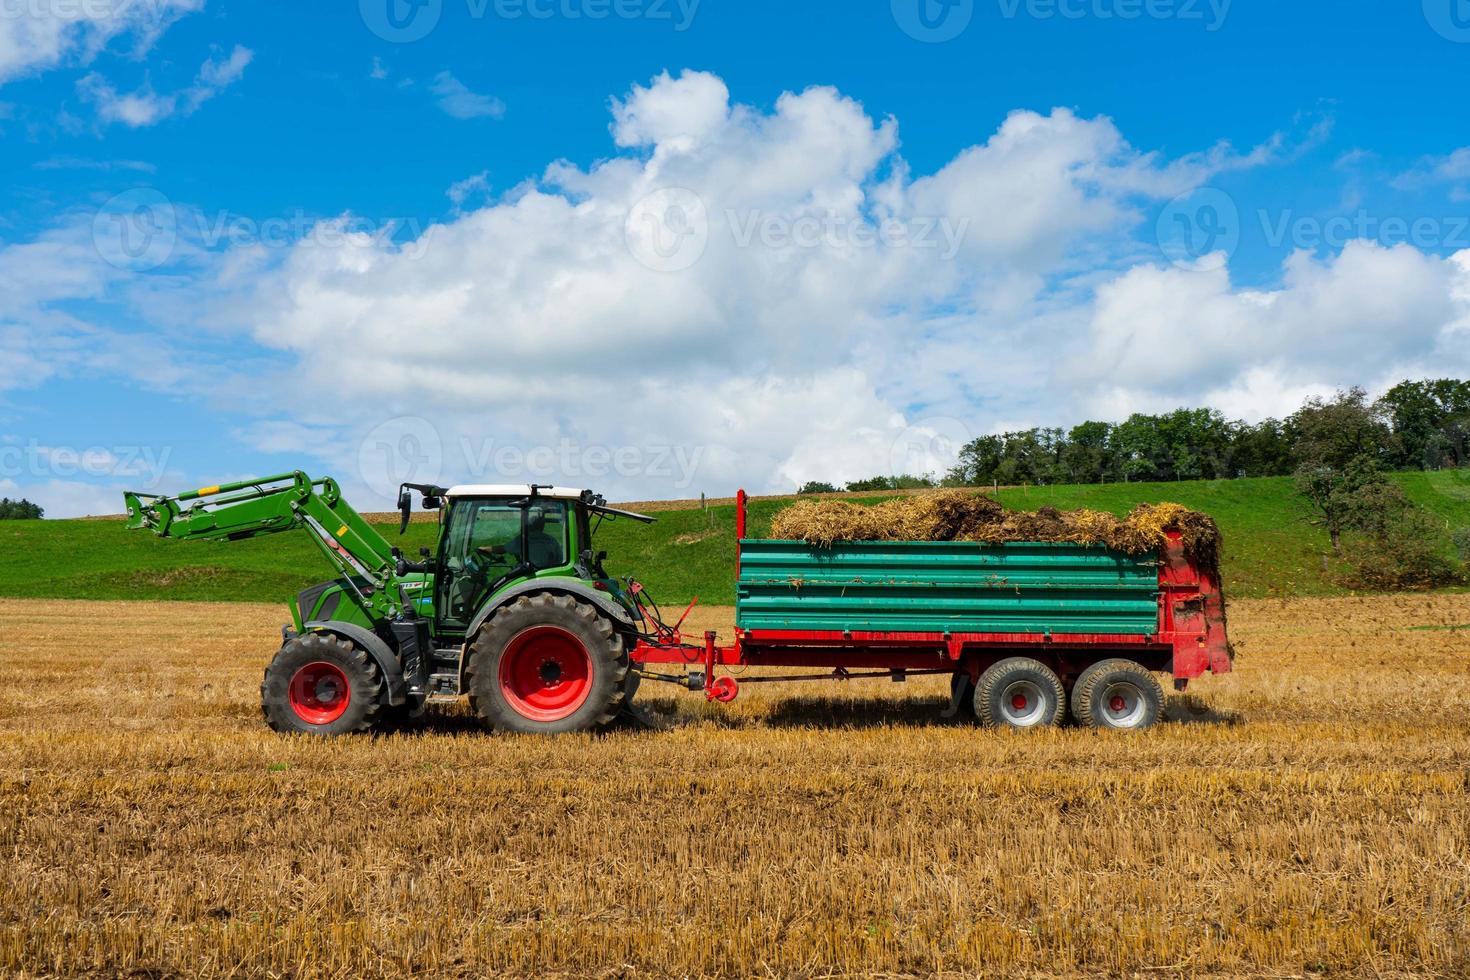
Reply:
x=36, y=36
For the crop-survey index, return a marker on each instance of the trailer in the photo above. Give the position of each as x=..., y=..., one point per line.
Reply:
x=1024, y=630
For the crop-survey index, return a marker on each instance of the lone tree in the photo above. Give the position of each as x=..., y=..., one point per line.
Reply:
x=19, y=510
x=1342, y=445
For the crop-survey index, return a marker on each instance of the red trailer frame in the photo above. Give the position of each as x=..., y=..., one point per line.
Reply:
x=1189, y=642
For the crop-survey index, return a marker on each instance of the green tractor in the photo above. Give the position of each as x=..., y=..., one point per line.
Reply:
x=513, y=609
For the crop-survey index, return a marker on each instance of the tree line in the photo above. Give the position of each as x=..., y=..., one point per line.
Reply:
x=1416, y=425
x=19, y=510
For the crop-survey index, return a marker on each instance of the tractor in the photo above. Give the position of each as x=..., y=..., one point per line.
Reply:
x=513, y=608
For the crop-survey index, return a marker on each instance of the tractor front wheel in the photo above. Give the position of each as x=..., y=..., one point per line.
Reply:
x=320, y=684
x=547, y=664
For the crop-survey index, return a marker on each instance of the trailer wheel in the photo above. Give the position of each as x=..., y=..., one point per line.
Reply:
x=1117, y=694
x=547, y=664
x=1019, y=693
x=320, y=684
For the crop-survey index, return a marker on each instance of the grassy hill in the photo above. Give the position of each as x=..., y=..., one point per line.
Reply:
x=1271, y=548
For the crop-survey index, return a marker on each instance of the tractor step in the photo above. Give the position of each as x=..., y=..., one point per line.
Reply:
x=443, y=688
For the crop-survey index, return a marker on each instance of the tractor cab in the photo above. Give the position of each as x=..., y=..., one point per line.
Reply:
x=496, y=537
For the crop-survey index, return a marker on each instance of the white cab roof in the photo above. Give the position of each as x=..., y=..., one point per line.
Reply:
x=514, y=490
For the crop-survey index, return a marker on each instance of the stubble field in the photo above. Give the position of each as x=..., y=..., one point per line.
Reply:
x=1308, y=814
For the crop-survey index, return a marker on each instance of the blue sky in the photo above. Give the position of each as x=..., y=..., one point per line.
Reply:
x=409, y=238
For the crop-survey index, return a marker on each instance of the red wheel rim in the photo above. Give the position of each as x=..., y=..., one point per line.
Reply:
x=545, y=673
x=319, y=693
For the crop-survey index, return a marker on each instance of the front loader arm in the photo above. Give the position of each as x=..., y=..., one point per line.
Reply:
x=251, y=508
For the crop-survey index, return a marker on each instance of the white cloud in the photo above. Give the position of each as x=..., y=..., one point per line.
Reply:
x=1367, y=314
x=462, y=190
x=145, y=107
x=35, y=36
x=457, y=100
x=1450, y=168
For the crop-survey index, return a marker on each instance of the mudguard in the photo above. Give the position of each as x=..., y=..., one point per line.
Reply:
x=376, y=647
x=561, y=586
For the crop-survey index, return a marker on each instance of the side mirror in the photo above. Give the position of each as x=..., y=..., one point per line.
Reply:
x=405, y=510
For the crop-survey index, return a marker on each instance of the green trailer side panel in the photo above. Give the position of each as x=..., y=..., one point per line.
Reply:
x=911, y=586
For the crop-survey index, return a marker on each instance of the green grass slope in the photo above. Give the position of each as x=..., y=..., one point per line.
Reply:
x=1271, y=548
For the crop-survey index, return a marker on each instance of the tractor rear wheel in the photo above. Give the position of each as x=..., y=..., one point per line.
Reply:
x=1019, y=693
x=547, y=664
x=320, y=684
x=1117, y=694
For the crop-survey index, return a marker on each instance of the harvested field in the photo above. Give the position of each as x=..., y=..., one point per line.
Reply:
x=1306, y=814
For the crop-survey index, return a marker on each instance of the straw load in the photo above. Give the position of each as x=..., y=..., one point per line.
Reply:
x=963, y=515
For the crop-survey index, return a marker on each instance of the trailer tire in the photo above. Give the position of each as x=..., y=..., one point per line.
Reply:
x=547, y=664
x=1119, y=695
x=321, y=684
x=1019, y=693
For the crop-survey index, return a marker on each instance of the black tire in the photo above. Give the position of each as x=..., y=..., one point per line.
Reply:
x=547, y=664
x=1019, y=693
x=321, y=684
x=1119, y=695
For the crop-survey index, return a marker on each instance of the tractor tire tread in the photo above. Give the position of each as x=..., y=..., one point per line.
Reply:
x=332, y=649
x=480, y=669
